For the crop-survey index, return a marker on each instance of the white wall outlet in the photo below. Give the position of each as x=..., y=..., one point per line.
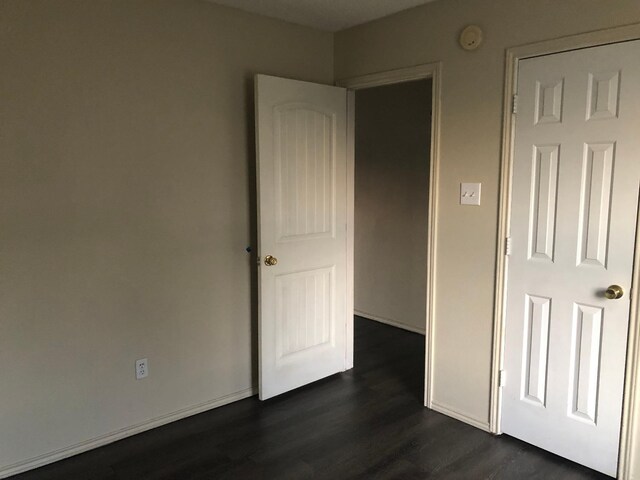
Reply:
x=470, y=193
x=142, y=368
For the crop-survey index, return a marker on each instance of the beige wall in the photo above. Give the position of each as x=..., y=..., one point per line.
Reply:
x=126, y=196
x=392, y=142
x=472, y=89
x=126, y=204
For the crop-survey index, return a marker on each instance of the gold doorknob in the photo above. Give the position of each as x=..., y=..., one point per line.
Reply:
x=270, y=261
x=614, y=292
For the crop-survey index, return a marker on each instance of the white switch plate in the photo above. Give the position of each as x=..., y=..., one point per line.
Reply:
x=470, y=193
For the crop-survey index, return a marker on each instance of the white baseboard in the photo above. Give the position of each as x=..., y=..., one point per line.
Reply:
x=56, y=455
x=451, y=412
x=389, y=321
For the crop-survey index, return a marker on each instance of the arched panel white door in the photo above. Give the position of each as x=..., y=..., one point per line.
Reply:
x=301, y=136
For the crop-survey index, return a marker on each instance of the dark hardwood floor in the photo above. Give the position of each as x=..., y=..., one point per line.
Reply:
x=368, y=423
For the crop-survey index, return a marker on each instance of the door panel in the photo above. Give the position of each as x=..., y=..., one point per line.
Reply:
x=595, y=197
x=586, y=339
x=576, y=175
x=536, y=348
x=302, y=197
x=544, y=189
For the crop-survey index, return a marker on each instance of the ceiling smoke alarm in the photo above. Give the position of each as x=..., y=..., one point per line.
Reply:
x=471, y=37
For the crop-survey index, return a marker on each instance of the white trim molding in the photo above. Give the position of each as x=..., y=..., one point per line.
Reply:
x=631, y=411
x=453, y=413
x=87, y=445
x=351, y=175
x=629, y=441
x=389, y=321
x=431, y=71
x=401, y=75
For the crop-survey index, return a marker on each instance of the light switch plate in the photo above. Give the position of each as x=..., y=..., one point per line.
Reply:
x=470, y=193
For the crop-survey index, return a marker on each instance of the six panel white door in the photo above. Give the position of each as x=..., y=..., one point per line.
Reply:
x=576, y=176
x=301, y=134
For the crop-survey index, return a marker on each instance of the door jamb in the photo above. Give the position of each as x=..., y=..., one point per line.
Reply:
x=631, y=402
x=431, y=71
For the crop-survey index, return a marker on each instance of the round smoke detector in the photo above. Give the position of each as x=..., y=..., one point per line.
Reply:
x=471, y=37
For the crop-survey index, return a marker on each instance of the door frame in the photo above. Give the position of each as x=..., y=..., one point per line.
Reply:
x=630, y=436
x=432, y=71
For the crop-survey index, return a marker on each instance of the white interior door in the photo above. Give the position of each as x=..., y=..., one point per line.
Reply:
x=576, y=175
x=301, y=131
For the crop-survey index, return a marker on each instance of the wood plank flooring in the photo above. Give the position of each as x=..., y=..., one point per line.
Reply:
x=368, y=423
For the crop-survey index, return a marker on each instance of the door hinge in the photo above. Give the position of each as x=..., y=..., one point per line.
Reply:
x=514, y=104
x=507, y=246
x=502, y=378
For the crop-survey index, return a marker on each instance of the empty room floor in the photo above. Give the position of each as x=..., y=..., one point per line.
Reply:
x=368, y=423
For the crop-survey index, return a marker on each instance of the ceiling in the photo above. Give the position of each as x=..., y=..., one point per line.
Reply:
x=329, y=15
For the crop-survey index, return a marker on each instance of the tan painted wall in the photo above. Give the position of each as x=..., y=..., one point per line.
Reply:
x=126, y=196
x=126, y=203
x=392, y=144
x=472, y=89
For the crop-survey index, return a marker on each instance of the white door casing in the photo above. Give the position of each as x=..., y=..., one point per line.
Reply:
x=576, y=175
x=301, y=135
x=418, y=72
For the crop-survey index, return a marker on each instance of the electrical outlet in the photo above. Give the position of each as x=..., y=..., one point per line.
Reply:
x=142, y=368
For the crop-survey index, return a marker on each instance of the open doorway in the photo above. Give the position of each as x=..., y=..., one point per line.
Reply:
x=392, y=144
x=305, y=135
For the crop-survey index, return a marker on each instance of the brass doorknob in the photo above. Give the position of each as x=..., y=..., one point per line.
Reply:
x=614, y=292
x=270, y=261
